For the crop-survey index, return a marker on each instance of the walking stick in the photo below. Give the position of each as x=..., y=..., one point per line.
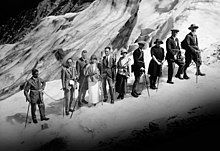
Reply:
x=63, y=106
x=197, y=71
x=27, y=115
x=158, y=79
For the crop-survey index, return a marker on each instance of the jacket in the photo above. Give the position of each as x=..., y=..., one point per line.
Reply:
x=192, y=43
x=68, y=74
x=173, y=48
x=35, y=86
x=109, y=67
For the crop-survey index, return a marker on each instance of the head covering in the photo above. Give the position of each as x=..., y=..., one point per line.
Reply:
x=193, y=26
x=34, y=71
x=141, y=42
x=123, y=50
x=84, y=51
x=158, y=41
x=175, y=30
x=93, y=57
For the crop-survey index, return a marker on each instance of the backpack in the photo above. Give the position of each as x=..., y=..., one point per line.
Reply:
x=183, y=44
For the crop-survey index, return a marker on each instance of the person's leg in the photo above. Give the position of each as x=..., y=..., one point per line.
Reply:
x=188, y=60
x=135, y=84
x=33, y=110
x=71, y=99
x=67, y=100
x=198, y=61
x=181, y=65
x=104, y=88
x=41, y=107
x=171, y=67
x=111, y=87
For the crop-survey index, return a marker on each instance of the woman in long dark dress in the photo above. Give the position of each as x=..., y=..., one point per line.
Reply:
x=155, y=66
x=122, y=74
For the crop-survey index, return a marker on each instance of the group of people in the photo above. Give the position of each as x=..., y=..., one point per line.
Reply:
x=93, y=75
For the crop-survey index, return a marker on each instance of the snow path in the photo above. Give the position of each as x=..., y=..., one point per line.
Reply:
x=89, y=126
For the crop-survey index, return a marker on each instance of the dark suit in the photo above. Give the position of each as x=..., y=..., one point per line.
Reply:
x=138, y=56
x=192, y=51
x=83, y=82
x=68, y=74
x=35, y=86
x=109, y=75
x=173, y=49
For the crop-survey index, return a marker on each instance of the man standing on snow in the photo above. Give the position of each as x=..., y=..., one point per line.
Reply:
x=192, y=51
x=108, y=74
x=174, y=56
x=83, y=82
x=68, y=78
x=138, y=67
x=36, y=86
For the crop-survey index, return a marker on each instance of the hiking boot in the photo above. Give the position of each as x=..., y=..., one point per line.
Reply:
x=105, y=100
x=71, y=110
x=200, y=73
x=179, y=76
x=119, y=96
x=35, y=121
x=153, y=87
x=170, y=82
x=185, y=77
x=134, y=94
x=138, y=93
x=112, y=102
x=67, y=113
x=84, y=101
x=45, y=119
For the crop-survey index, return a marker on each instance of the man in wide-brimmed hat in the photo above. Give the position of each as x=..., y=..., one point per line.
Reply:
x=138, y=67
x=173, y=56
x=155, y=65
x=192, y=51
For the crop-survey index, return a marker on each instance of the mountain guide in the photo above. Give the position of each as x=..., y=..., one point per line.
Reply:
x=138, y=67
x=192, y=51
x=173, y=56
x=35, y=86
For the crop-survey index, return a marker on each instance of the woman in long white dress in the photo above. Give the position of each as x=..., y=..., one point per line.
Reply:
x=92, y=72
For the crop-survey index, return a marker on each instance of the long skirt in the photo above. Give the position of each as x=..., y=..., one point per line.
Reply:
x=121, y=83
x=93, y=92
x=154, y=69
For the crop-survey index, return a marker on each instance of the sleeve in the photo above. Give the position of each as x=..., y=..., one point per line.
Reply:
x=152, y=51
x=78, y=67
x=26, y=89
x=163, y=54
x=43, y=83
x=63, y=78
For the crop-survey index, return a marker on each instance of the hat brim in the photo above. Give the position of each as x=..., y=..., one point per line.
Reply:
x=175, y=30
x=193, y=27
x=141, y=43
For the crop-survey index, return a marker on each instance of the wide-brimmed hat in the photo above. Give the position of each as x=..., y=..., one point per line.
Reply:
x=123, y=50
x=175, y=30
x=158, y=41
x=193, y=26
x=141, y=42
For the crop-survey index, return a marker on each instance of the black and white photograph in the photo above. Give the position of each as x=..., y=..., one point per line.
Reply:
x=109, y=75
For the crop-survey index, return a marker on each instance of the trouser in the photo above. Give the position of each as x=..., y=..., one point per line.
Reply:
x=82, y=90
x=68, y=94
x=196, y=57
x=171, y=67
x=153, y=80
x=111, y=85
x=136, y=82
x=41, y=107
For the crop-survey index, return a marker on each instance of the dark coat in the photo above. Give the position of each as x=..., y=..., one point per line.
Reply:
x=192, y=43
x=138, y=56
x=34, y=85
x=109, y=68
x=173, y=48
x=154, y=69
x=80, y=68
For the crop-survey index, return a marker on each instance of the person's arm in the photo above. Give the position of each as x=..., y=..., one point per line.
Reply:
x=26, y=91
x=43, y=84
x=155, y=59
x=192, y=48
x=63, y=78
